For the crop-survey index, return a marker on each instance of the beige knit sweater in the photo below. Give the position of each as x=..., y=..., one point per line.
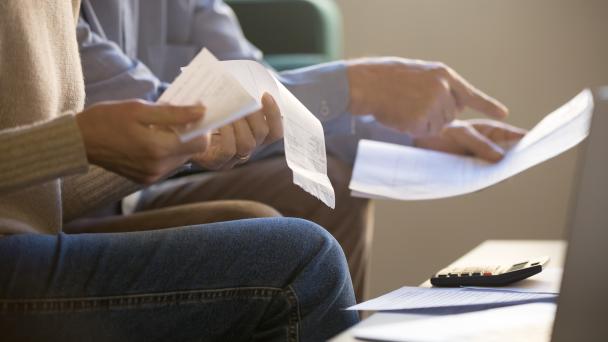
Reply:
x=44, y=175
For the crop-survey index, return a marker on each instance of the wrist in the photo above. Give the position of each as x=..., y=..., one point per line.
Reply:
x=361, y=80
x=86, y=134
x=415, y=142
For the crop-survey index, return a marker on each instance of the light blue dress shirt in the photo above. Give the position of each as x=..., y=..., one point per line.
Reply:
x=132, y=48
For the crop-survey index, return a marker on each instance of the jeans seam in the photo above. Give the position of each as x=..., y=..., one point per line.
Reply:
x=293, y=331
x=83, y=304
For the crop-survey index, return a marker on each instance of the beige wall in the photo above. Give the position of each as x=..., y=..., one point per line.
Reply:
x=531, y=54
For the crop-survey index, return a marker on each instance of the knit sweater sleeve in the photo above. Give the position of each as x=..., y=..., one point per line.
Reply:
x=95, y=189
x=37, y=153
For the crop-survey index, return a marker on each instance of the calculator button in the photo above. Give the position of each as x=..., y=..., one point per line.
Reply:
x=442, y=275
x=487, y=273
x=476, y=274
x=464, y=274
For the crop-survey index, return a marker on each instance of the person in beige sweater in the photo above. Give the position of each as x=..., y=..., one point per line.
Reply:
x=261, y=279
x=44, y=172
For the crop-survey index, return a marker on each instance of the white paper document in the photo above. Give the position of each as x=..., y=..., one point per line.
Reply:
x=304, y=137
x=406, y=173
x=205, y=80
x=305, y=148
x=529, y=322
x=232, y=89
x=413, y=298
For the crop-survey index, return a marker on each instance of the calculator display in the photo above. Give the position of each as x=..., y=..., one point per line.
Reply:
x=517, y=266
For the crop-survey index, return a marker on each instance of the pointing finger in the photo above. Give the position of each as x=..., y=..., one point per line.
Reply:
x=468, y=95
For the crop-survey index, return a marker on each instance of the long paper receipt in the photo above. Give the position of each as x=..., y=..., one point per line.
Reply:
x=232, y=89
x=407, y=173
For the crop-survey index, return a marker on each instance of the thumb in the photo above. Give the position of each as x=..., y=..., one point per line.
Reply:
x=169, y=115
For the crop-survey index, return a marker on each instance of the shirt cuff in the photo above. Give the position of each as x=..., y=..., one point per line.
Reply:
x=162, y=87
x=323, y=88
x=344, y=133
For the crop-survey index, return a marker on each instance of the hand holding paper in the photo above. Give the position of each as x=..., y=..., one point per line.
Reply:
x=142, y=148
x=206, y=81
x=407, y=173
x=482, y=138
x=233, y=89
x=414, y=96
x=235, y=143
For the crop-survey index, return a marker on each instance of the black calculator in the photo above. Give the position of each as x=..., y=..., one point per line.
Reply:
x=497, y=275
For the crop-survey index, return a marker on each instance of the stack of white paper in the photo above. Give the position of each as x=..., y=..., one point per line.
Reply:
x=230, y=90
x=407, y=173
x=530, y=322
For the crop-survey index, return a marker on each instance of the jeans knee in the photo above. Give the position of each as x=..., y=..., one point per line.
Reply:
x=321, y=247
x=324, y=283
x=313, y=234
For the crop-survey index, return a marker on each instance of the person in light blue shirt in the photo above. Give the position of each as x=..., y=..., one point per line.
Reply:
x=133, y=48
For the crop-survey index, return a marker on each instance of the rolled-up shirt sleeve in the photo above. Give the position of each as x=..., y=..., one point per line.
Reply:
x=324, y=90
x=343, y=144
x=110, y=74
x=216, y=27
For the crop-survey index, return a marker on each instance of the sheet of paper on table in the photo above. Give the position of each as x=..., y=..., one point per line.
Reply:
x=414, y=298
x=232, y=89
x=406, y=173
x=529, y=322
x=547, y=281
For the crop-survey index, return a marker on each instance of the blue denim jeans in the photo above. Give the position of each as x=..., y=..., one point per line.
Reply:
x=275, y=279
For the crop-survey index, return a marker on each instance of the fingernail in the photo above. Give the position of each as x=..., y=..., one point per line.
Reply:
x=270, y=98
x=504, y=111
x=499, y=152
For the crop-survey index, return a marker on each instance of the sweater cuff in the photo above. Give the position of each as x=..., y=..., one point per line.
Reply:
x=41, y=152
x=93, y=190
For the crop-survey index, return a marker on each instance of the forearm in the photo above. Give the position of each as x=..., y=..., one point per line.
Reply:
x=343, y=144
x=41, y=152
x=110, y=74
x=324, y=89
x=342, y=136
x=215, y=27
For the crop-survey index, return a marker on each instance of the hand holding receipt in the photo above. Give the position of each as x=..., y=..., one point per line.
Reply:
x=232, y=89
